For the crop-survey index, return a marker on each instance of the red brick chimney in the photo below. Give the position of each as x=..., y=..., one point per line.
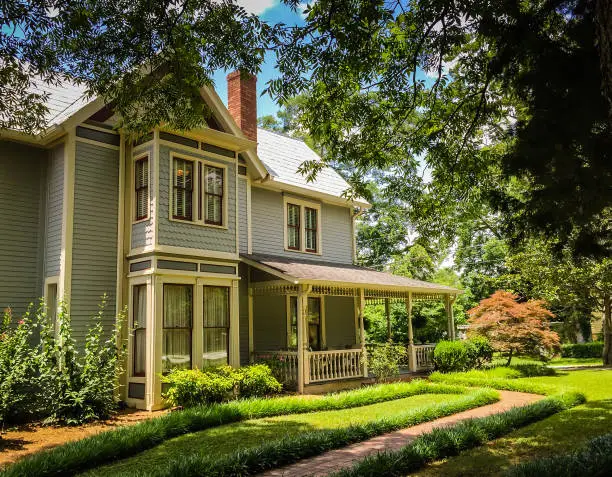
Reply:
x=242, y=102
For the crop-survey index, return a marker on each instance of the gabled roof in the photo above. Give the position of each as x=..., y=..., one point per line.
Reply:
x=311, y=272
x=62, y=101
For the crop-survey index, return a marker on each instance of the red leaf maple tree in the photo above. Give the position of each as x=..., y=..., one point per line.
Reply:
x=514, y=328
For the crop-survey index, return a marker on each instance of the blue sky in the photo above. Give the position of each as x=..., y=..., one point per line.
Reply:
x=274, y=12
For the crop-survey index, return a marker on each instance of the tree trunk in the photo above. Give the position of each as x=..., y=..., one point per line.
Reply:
x=509, y=357
x=607, y=330
x=603, y=14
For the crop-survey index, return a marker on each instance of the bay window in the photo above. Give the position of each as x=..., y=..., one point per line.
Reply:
x=141, y=188
x=139, y=326
x=182, y=186
x=214, y=195
x=216, y=320
x=177, y=327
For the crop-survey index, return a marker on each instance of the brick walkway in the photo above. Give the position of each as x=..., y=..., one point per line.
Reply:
x=337, y=459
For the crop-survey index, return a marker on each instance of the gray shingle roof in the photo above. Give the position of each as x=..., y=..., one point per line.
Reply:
x=282, y=155
x=311, y=271
x=62, y=101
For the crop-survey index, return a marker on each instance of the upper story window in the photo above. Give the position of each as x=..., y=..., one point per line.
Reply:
x=141, y=188
x=198, y=192
x=302, y=226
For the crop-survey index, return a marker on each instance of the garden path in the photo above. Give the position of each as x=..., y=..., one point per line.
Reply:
x=335, y=460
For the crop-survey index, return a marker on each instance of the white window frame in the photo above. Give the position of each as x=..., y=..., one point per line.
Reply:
x=302, y=204
x=135, y=159
x=196, y=205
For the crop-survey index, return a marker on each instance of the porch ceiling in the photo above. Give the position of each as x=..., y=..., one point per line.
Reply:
x=319, y=273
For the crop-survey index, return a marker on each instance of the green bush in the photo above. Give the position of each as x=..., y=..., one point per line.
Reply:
x=594, y=349
x=384, y=360
x=593, y=459
x=43, y=376
x=74, y=457
x=480, y=351
x=450, y=356
x=257, y=380
x=192, y=387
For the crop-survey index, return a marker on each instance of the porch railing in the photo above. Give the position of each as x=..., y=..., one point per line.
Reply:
x=332, y=365
x=424, y=356
x=285, y=364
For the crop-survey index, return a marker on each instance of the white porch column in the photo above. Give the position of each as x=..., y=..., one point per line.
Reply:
x=302, y=338
x=448, y=304
x=364, y=353
x=412, y=363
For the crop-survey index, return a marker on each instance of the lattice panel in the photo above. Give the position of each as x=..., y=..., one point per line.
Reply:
x=428, y=297
x=267, y=290
x=335, y=291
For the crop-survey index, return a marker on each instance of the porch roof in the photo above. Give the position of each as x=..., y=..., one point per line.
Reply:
x=311, y=272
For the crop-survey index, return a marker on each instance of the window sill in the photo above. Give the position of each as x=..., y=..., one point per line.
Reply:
x=140, y=221
x=319, y=253
x=199, y=224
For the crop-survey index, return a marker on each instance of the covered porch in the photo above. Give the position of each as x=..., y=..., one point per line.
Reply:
x=323, y=339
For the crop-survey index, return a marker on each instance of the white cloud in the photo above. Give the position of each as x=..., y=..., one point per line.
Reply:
x=257, y=6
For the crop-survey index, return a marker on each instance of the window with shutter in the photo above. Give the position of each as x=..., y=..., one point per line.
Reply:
x=141, y=187
x=182, y=200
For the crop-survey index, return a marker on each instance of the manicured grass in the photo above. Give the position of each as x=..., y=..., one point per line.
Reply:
x=594, y=459
x=106, y=447
x=556, y=435
x=243, y=435
x=500, y=361
x=287, y=450
x=450, y=441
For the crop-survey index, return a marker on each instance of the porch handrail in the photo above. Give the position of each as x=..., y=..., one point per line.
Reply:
x=334, y=364
x=287, y=363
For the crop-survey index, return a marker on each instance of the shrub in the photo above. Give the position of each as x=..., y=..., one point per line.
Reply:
x=192, y=387
x=480, y=351
x=384, y=360
x=593, y=459
x=42, y=375
x=450, y=356
x=593, y=349
x=257, y=380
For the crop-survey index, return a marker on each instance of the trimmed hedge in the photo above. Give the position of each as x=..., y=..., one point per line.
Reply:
x=475, y=378
x=594, y=459
x=74, y=457
x=594, y=349
x=446, y=442
x=289, y=450
x=452, y=356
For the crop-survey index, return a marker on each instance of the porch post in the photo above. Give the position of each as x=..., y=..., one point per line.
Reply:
x=411, y=349
x=388, y=314
x=302, y=340
x=450, y=321
x=364, y=353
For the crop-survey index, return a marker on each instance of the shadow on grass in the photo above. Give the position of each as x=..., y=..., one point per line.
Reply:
x=12, y=444
x=558, y=434
x=213, y=442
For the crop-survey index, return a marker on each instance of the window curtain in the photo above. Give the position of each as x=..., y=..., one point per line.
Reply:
x=216, y=326
x=139, y=324
x=176, y=350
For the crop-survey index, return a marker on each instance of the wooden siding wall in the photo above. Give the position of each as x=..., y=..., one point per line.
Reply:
x=269, y=323
x=21, y=224
x=339, y=321
x=180, y=234
x=54, y=201
x=268, y=234
x=142, y=232
x=244, y=314
x=243, y=224
x=94, y=248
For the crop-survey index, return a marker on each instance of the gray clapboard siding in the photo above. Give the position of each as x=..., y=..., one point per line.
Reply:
x=181, y=234
x=339, y=321
x=142, y=232
x=243, y=223
x=243, y=294
x=269, y=323
x=94, y=247
x=55, y=201
x=21, y=223
x=267, y=222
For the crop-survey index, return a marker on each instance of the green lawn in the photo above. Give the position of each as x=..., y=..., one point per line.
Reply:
x=226, y=439
x=558, y=434
x=500, y=361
